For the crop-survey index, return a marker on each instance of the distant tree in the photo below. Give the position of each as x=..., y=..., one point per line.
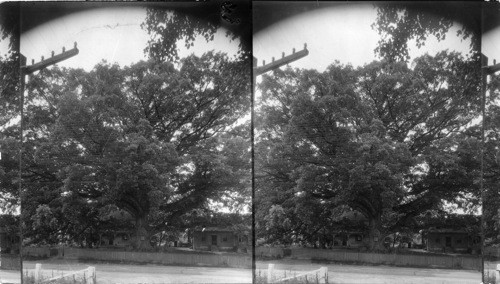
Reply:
x=440, y=219
x=9, y=106
x=9, y=90
x=492, y=164
x=9, y=24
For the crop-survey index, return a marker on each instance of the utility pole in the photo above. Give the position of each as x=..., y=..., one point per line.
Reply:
x=24, y=71
x=256, y=71
x=485, y=70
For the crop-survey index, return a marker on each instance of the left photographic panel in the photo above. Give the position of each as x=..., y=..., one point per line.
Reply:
x=10, y=86
x=136, y=142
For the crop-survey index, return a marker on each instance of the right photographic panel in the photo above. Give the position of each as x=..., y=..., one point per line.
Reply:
x=376, y=142
x=490, y=51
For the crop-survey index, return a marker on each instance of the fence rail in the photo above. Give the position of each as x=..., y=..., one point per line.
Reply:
x=269, y=252
x=438, y=261
x=85, y=276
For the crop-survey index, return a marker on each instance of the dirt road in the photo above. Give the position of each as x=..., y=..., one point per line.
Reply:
x=10, y=276
x=338, y=273
x=130, y=273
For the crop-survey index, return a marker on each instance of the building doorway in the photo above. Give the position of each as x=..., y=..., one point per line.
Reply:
x=448, y=241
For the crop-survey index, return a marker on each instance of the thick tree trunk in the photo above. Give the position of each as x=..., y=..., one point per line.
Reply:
x=375, y=238
x=142, y=234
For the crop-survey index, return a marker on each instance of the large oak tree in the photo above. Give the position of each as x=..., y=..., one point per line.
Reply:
x=385, y=139
x=152, y=139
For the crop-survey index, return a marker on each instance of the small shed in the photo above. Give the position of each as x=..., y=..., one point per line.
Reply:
x=116, y=238
x=449, y=240
x=221, y=239
x=349, y=239
x=350, y=230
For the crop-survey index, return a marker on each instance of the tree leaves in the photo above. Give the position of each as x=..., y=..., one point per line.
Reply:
x=356, y=137
x=150, y=139
x=398, y=24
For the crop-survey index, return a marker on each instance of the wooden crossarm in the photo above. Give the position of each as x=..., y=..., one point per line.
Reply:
x=50, y=61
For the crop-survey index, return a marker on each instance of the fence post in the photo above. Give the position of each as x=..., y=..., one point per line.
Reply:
x=38, y=272
x=93, y=277
x=270, y=271
x=497, y=274
x=324, y=273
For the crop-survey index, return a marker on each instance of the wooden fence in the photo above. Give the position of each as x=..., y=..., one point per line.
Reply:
x=492, y=251
x=37, y=251
x=271, y=252
x=316, y=276
x=10, y=261
x=39, y=276
x=166, y=258
x=415, y=260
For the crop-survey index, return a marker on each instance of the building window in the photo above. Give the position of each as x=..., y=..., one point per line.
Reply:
x=459, y=241
x=438, y=240
x=224, y=238
x=240, y=239
x=203, y=238
x=476, y=240
x=358, y=238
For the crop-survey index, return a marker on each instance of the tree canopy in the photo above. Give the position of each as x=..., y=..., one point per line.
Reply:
x=400, y=23
x=385, y=139
x=151, y=139
x=492, y=164
x=9, y=104
x=159, y=139
x=167, y=27
x=391, y=140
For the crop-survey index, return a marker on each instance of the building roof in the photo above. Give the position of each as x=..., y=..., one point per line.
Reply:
x=353, y=216
x=446, y=231
x=213, y=229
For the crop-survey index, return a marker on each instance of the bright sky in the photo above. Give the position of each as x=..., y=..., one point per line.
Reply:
x=490, y=45
x=4, y=44
x=336, y=33
x=113, y=34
